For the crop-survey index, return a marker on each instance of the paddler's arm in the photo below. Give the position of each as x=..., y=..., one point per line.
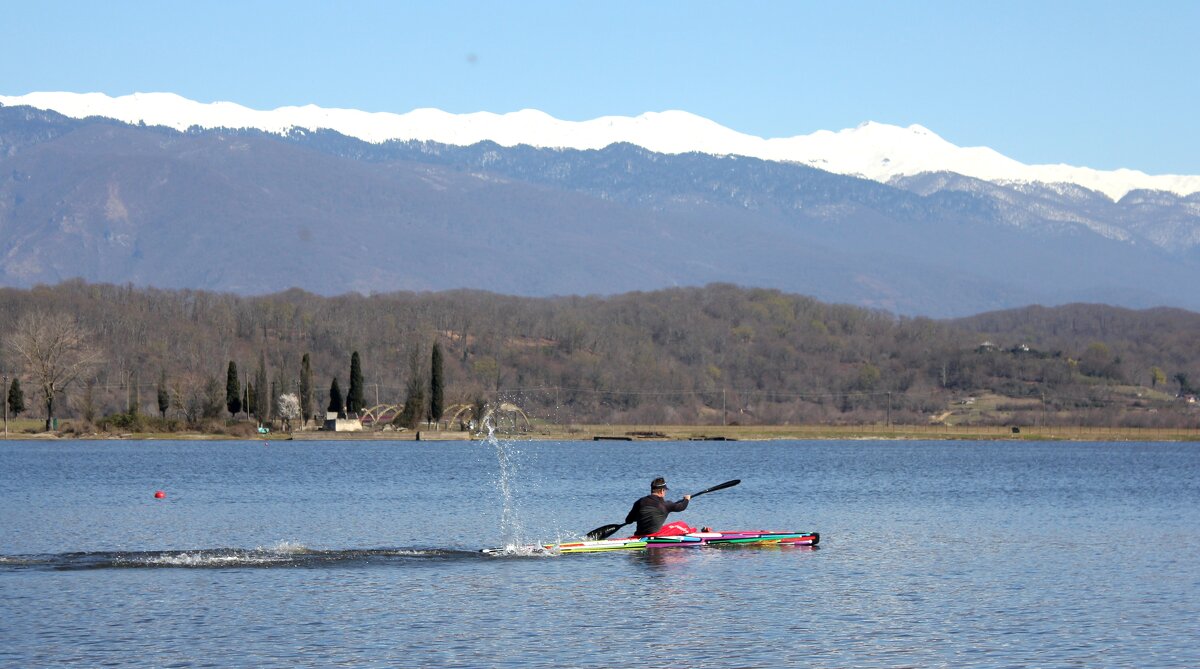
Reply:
x=632, y=516
x=681, y=504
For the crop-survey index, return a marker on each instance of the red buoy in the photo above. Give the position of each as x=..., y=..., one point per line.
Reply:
x=158, y=494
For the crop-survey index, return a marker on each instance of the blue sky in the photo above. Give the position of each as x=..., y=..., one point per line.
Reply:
x=1100, y=84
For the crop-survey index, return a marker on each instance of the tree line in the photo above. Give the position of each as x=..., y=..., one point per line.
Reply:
x=712, y=354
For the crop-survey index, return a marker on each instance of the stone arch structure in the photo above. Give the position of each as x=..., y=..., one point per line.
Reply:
x=507, y=417
x=381, y=413
x=460, y=413
x=504, y=416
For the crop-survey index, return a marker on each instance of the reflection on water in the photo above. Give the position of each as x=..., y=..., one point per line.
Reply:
x=663, y=561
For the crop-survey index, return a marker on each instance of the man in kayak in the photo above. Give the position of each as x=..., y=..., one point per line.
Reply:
x=650, y=512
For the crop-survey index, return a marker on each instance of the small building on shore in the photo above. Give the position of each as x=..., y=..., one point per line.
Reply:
x=335, y=424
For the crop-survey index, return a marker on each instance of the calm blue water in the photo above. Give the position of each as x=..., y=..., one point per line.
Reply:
x=320, y=554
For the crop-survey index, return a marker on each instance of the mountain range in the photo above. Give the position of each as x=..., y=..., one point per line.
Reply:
x=173, y=198
x=876, y=151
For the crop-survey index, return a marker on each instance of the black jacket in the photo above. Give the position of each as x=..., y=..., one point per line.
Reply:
x=650, y=512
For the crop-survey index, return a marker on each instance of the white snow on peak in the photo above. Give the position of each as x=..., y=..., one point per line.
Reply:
x=872, y=150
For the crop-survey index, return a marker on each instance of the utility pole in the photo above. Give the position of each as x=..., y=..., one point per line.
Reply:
x=6, y=406
x=889, y=413
x=723, y=414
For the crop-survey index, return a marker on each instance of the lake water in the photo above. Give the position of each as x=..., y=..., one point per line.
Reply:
x=958, y=554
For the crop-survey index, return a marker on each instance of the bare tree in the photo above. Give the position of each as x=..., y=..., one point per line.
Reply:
x=191, y=396
x=56, y=352
x=212, y=398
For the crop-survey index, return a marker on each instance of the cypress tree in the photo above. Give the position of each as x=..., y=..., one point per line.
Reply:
x=414, y=395
x=16, y=397
x=164, y=398
x=414, y=404
x=436, y=389
x=354, y=398
x=233, y=390
x=335, y=399
x=306, y=389
x=251, y=397
x=262, y=389
x=478, y=411
x=279, y=385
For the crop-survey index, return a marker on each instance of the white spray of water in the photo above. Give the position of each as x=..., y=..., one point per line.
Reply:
x=506, y=457
x=509, y=459
x=284, y=546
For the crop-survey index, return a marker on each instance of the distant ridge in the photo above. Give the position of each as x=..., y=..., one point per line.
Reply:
x=875, y=151
x=249, y=211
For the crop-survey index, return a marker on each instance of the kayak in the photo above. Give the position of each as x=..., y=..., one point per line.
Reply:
x=693, y=540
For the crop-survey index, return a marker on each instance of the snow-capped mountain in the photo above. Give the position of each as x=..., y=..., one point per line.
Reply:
x=875, y=151
x=253, y=210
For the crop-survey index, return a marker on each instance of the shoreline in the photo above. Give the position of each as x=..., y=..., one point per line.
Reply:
x=643, y=433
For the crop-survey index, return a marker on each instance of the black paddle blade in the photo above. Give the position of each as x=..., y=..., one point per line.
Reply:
x=604, y=532
x=719, y=486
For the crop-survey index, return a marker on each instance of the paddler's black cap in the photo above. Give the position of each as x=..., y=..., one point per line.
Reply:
x=659, y=483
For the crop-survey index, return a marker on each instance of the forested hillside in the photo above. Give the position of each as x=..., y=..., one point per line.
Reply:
x=688, y=355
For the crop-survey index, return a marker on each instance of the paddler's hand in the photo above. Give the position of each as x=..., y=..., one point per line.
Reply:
x=687, y=497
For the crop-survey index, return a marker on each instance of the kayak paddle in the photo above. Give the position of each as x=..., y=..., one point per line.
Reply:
x=606, y=531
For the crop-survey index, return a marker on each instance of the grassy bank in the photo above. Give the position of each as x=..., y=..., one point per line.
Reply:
x=549, y=432
x=759, y=432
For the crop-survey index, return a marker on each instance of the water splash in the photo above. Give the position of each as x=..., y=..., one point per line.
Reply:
x=198, y=558
x=507, y=455
x=512, y=550
x=285, y=547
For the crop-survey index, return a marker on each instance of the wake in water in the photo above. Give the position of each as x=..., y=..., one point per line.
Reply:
x=281, y=555
x=288, y=554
